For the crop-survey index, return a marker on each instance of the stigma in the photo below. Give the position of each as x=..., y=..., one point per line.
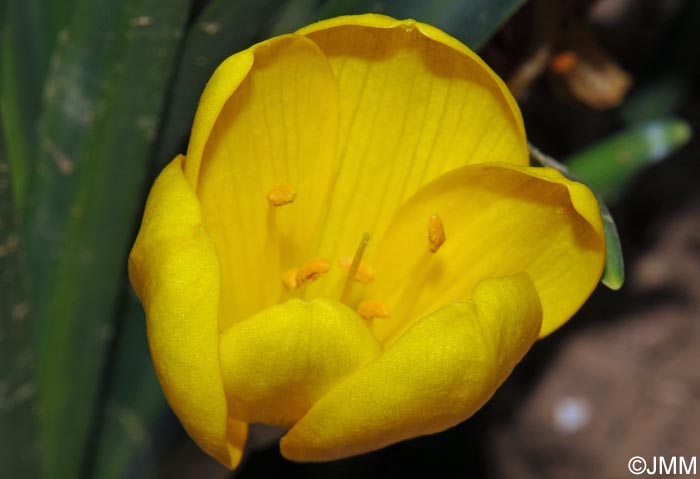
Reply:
x=354, y=267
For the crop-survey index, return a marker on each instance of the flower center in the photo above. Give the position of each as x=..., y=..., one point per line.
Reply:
x=357, y=269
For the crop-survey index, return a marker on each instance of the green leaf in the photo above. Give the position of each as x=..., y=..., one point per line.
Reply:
x=658, y=98
x=19, y=439
x=103, y=101
x=222, y=29
x=28, y=33
x=473, y=22
x=608, y=165
x=133, y=432
x=614, y=272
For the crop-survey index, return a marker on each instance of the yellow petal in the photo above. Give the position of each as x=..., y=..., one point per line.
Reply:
x=498, y=220
x=436, y=375
x=226, y=79
x=415, y=103
x=266, y=141
x=175, y=271
x=279, y=362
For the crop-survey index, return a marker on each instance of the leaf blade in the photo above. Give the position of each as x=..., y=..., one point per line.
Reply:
x=609, y=164
x=95, y=140
x=19, y=438
x=136, y=419
x=28, y=35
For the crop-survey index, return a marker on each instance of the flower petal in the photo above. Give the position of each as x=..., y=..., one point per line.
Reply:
x=415, y=103
x=499, y=220
x=175, y=271
x=441, y=371
x=276, y=126
x=277, y=363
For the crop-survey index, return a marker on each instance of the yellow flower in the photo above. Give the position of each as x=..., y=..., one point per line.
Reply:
x=354, y=247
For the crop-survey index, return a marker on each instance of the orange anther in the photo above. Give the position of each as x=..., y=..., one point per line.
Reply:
x=364, y=274
x=311, y=270
x=281, y=195
x=371, y=308
x=436, y=233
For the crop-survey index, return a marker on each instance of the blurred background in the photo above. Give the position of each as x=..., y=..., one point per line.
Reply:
x=96, y=96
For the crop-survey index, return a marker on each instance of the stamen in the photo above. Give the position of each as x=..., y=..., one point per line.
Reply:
x=311, y=270
x=365, y=273
x=436, y=233
x=371, y=308
x=354, y=266
x=281, y=195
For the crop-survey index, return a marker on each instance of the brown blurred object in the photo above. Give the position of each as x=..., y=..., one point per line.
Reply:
x=546, y=21
x=610, y=11
x=584, y=72
x=559, y=40
x=675, y=262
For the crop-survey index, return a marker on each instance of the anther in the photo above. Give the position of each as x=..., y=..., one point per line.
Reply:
x=436, y=233
x=371, y=308
x=311, y=270
x=294, y=278
x=365, y=273
x=281, y=195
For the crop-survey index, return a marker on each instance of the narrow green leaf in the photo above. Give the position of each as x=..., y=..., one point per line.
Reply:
x=136, y=419
x=608, y=165
x=19, y=438
x=659, y=98
x=28, y=34
x=103, y=100
x=472, y=21
x=222, y=29
x=614, y=272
